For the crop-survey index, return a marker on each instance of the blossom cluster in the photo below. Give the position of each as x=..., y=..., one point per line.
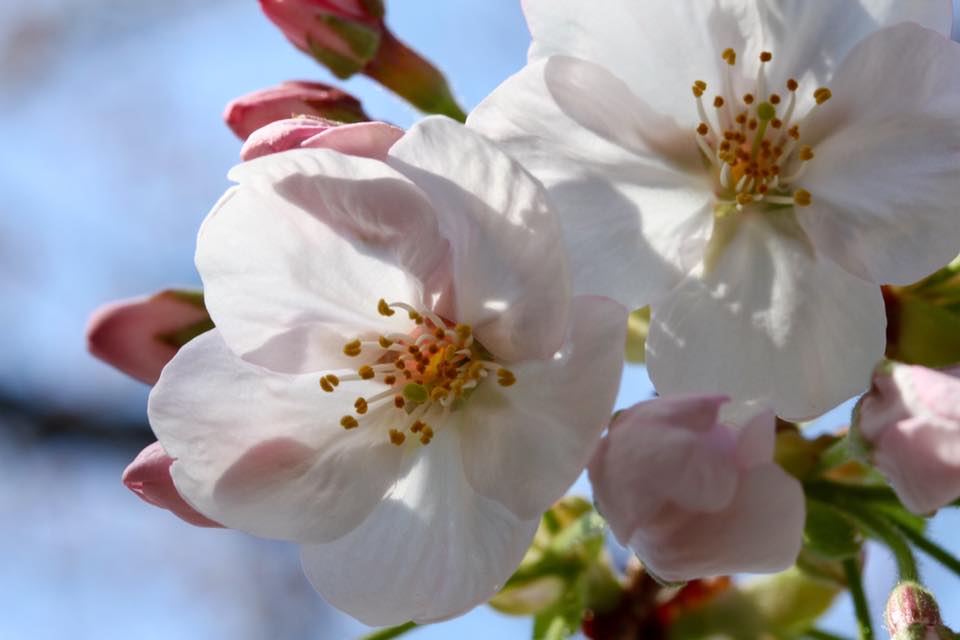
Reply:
x=409, y=342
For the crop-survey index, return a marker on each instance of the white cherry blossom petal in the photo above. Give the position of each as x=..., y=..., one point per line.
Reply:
x=309, y=241
x=625, y=180
x=509, y=267
x=432, y=550
x=657, y=48
x=769, y=322
x=886, y=176
x=551, y=418
x=809, y=44
x=263, y=452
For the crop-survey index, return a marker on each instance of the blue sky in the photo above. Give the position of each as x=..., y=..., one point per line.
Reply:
x=113, y=152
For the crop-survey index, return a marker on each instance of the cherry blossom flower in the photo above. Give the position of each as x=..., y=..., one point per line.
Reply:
x=752, y=169
x=399, y=379
x=910, y=421
x=694, y=496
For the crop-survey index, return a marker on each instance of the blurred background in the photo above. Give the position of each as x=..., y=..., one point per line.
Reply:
x=112, y=152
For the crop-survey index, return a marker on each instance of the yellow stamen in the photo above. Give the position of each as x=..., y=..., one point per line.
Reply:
x=352, y=348
x=349, y=422
x=802, y=198
x=366, y=372
x=384, y=308
x=505, y=377
x=361, y=405
x=806, y=153
x=822, y=94
x=397, y=437
x=730, y=56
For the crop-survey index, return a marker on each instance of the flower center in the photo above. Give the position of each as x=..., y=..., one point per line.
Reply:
x=753, y=142
x=429, y=373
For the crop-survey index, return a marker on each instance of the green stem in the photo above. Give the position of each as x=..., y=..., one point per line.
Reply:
x=930, y=548
x=855, y=583
x=391, y=632
x=881, y=529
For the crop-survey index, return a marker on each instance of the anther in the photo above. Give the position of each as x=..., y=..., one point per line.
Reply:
x=385, y=342
x=776, y=123
x=718, y=102
x=463, y=331
x=384, y=308
x=766, y=56
x=417, y=426
x=361, y=405
x=806, y=153
x=439, y=333
x=730, y=56
x=744, y=198
x=699, y=87
x=822, y=94
x=802, y=198
x=774, y=98
x=390, y=380
x=397, y=437
x=399, y=402
x=505, y=377
x=366, y=372
x=748, y=98
x=326, y=385
x=426, y=435
x=349, y=422
x=794, y=132
x=703, y=129
x=792, y=85
x=352, y=348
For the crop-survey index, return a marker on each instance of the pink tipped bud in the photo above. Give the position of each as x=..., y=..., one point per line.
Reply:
x=910, y=422
x=912, y=613
x=343, y=35
x=148, y=476
x=349, y=36
x=248, y=113
x=365, y=139
x=141, y=335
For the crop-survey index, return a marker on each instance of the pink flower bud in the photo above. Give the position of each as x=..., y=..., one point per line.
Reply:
x=365, y=139
x=912, y=613
x=344, y=35
x=910, y=422
x=248, y=113
x=148, y=476
x=349, y=36
x=694, y=497
x=139, y=336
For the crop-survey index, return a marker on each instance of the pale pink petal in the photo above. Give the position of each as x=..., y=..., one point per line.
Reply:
x=756, y=440
x=509, y=266
x=661, y=451
x=886, y=174
x=138, y=336
x=295, y=258
x=761, y=531
x=432, y=550
x=911, y=421
x=627, y=182
x=768, y=321
x=264, y=452
x=364, y=139
x=148, y=476
x=524, y=445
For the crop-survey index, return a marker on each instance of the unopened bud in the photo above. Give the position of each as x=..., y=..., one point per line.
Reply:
x=248, y=113
x=913, y=614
